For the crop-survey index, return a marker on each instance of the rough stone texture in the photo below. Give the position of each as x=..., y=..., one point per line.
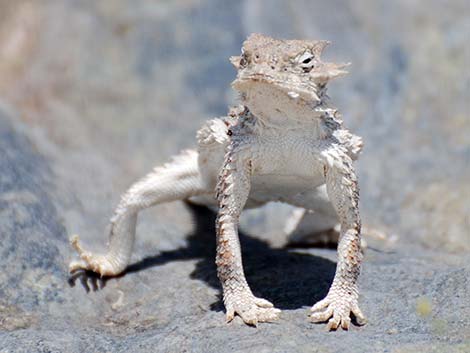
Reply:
x=93, y=94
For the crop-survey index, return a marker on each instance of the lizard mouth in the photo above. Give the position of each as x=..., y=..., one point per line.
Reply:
x=294, y=90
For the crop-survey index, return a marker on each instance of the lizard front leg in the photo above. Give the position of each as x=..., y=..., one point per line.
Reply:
x=342, y=298
x=232, y=192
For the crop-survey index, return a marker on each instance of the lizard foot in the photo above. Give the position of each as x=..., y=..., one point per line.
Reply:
x=336, y=308
x=250, y=308
x=99, y=264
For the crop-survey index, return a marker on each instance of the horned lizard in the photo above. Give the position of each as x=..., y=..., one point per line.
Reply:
x=285, y=142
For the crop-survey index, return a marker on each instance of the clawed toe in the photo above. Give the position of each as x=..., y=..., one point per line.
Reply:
x=254, y=317
x=337, y=313
x=336, y=321
x=252, y=310
x=103, y=265
x=358, y=315
x=321, y=316
x=256, y=314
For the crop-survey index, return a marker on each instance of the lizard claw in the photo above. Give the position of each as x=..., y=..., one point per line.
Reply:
x=337, y=311
x=100, y=264
x=251, y=309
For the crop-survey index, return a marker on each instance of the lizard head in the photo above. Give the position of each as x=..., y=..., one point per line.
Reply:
x=291, y=67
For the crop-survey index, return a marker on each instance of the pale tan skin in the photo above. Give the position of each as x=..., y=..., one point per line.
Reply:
x=284, y=143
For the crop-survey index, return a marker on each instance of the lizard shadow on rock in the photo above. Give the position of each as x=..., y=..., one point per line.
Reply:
x=289, y=279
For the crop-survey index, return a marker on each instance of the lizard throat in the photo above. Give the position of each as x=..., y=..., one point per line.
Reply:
x=275, y=107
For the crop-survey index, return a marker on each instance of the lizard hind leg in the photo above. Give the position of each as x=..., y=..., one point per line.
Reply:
x=312, y=229
x=177, y=180
x=314, y=222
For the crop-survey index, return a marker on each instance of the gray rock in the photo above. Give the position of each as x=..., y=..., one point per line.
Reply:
x=94, y=94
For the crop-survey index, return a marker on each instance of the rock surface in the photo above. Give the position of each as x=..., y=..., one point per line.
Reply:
x=94, y=94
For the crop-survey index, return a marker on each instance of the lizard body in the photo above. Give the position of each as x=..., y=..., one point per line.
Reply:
x=287, y=143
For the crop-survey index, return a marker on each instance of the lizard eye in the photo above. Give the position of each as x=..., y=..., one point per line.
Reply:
x=306, y=61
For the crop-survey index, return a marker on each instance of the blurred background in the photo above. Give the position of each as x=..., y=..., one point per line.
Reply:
x=93, y=94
